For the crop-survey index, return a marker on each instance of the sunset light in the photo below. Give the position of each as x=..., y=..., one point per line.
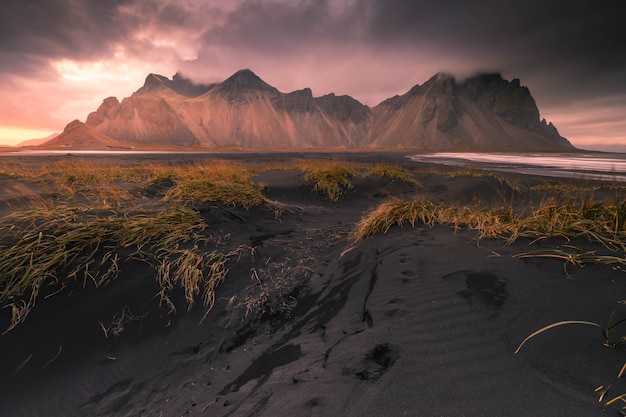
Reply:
x=63, y=62
x=13, y=136
x=88, y=71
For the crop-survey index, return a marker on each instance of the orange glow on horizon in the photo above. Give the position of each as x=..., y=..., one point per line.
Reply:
x=14, y=135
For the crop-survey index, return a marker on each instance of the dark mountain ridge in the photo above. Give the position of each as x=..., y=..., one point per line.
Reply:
x=179, y=84
x=482, y=113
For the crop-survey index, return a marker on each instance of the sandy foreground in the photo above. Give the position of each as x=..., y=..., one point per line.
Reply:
x=416, y=322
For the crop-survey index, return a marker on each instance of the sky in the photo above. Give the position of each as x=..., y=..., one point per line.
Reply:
x=60, y=58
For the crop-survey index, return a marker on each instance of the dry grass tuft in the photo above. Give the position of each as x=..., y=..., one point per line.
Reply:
x=473, y=173
x=52, y=245
x=398, y=213
x=221, y=181
x=91, y=220
x=332, y=178
x=600, y=222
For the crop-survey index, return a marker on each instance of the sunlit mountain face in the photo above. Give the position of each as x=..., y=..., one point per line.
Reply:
x=482, y=113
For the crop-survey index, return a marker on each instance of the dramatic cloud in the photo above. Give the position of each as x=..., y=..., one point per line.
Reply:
x=62, y=57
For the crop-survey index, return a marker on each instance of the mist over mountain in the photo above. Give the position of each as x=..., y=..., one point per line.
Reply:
x=482, y=113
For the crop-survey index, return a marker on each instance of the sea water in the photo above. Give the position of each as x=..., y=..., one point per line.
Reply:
x=598, y=166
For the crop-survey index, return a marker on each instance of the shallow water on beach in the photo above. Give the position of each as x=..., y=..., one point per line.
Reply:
x=598, y=166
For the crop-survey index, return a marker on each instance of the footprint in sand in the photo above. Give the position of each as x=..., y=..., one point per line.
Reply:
x=396, y=311
x=377, y=361
x=484, y=287
x=404, y=258
x=407, y=276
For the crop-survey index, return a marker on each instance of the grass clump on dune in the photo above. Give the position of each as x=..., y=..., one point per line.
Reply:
x=96, y=216
x=221, y=181
x=600, y=222
x=567, y=188
x=392, y=172
x=397, y=213
x=466, y=172
x=51, y=246
x=333, y=178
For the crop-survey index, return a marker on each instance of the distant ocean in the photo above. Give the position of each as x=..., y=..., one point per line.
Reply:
x=599, y=166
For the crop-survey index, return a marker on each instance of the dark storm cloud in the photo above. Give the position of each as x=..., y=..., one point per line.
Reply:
x=553, y=30
x=575, y=44
x=577, y=38
x=35, y=31
x=286, y=27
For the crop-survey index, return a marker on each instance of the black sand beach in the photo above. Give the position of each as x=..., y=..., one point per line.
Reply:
x=419, y=321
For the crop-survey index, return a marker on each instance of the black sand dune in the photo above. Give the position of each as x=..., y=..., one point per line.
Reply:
x=415, y=322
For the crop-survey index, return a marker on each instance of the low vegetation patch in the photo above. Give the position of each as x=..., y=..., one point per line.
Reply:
x=221, y=181
x=95, y=217
x=53, y=245
x=333, y=181
x=332, y=178
x=473, y=173
x=109, y=184
x=606, y=393
x=600, y=222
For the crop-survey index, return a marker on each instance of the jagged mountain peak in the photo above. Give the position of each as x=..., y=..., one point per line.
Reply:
x=490, y=84
x=440, y=83
x=441, y=77
x=156, y=83
x=437, y=81
x=343, y=107
x=153, y=83
x=507, y=99
x=241, y=82
x=245, y=75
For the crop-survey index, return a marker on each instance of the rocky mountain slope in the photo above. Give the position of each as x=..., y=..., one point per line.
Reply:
x=78, y=135
x=483, y=113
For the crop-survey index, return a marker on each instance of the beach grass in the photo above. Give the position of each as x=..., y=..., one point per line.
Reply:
x=50, y=246
x=333, y=178
x=609, y=340
x=226, y=182
x=579, y=186
x=107, y=183
x=603, y=223
x=467, y=172
x=95, y=215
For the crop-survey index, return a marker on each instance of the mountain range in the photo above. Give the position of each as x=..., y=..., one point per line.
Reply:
x=481, y=113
